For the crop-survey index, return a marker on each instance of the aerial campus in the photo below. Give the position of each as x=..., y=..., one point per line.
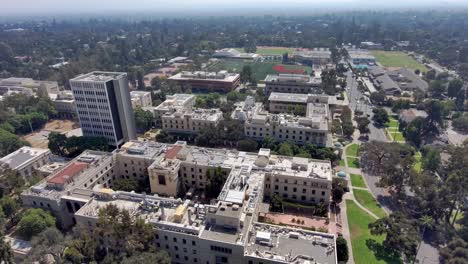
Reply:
x=168, y=143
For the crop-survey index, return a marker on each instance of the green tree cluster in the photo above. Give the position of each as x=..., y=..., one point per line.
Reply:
x=72, y=146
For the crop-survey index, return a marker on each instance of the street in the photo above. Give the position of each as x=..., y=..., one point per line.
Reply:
x=358, y=101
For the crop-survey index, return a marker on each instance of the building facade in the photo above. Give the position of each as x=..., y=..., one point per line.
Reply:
x=222, y=81
x=141, y=99
x=104, y=106
x=292, y=83
x=227, y=230
x=26, y=160
x=191, y=122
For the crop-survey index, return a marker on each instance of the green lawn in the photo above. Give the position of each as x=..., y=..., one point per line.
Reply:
x=392, y=123
x=398, y=136
x=271, y=50
x=366, y=247
x=366, y=199
x=418, y=163
x=353, y=162
x=352, y=150
x=397, y=59
x=357, y=181
x=342, y=163
x=259, y=69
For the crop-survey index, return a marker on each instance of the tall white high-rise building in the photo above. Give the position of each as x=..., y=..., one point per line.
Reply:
x=104, y=107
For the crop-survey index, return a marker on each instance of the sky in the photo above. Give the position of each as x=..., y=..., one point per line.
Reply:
x=9, y=7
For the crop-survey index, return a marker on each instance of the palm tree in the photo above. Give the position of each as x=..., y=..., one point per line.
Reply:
x=426, y=221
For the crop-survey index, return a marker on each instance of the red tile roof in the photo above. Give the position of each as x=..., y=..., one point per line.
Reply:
x=170, y=154
x=68, y=172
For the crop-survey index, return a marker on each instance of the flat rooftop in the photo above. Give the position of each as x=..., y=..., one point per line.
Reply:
x=288, y=97
x=99, y=76
x=290, y=245
x=146, y=149
x=165, y=213
x=221, y=76
x=292, y=78
x=175, y=100
x=22, y=156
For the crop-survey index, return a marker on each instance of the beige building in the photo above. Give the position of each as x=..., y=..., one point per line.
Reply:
x=221, y=81
x=223, y=231
x=26, y=160
x=312, y=128
x=64, y=103
x=141, y=99
x=292, y=83
x=173, y=103
x=191, y=122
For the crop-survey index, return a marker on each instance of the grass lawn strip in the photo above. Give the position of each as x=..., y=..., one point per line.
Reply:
x=353, y=162
x=366, y=199
x=357, y=181
x=352, y=150
x=366, y=247
x=342, y=163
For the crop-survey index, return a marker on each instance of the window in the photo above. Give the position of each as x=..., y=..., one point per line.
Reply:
x=221, y=249
x=184, y=241
x=161, y=180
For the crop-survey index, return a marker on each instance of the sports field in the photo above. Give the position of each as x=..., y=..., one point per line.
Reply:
x=397, y=59
x=260, y=69
x=270, y=50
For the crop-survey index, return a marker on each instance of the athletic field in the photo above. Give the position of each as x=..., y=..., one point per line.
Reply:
x=397, y=59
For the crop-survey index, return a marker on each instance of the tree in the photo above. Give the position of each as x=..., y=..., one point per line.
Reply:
x=460, y=100
x=414, y=131
x=338, y=189
x=454, y=87
x=11, y=183
x=9, y=206
x=430, y=74
x=35, y=221
x=276, y=203
x=246, y=74
x=393, y=162
x=126, y=185
x=141, y=81
x=50, y=242
x=380, y=116
x=329, y=81
x=57, y=142
x=456, y=252
x=247, y=145
x=401, y=234
x=430, y=158
x=285, y=149
x=461, y=123
x=269, y=143
x=342, y=251
x=9, y=142
x=143, y=119
x=378, y=98
x=215, y=180
x=363, y=124
x=435, y=116
x=148, y=258
x=436, y=88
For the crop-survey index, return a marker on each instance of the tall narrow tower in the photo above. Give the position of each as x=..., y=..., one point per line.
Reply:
x=104, y=106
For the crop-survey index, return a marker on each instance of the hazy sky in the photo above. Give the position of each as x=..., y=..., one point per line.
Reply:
x=76, y=6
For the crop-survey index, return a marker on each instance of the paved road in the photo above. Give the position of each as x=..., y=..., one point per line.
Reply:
x=357, y=101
